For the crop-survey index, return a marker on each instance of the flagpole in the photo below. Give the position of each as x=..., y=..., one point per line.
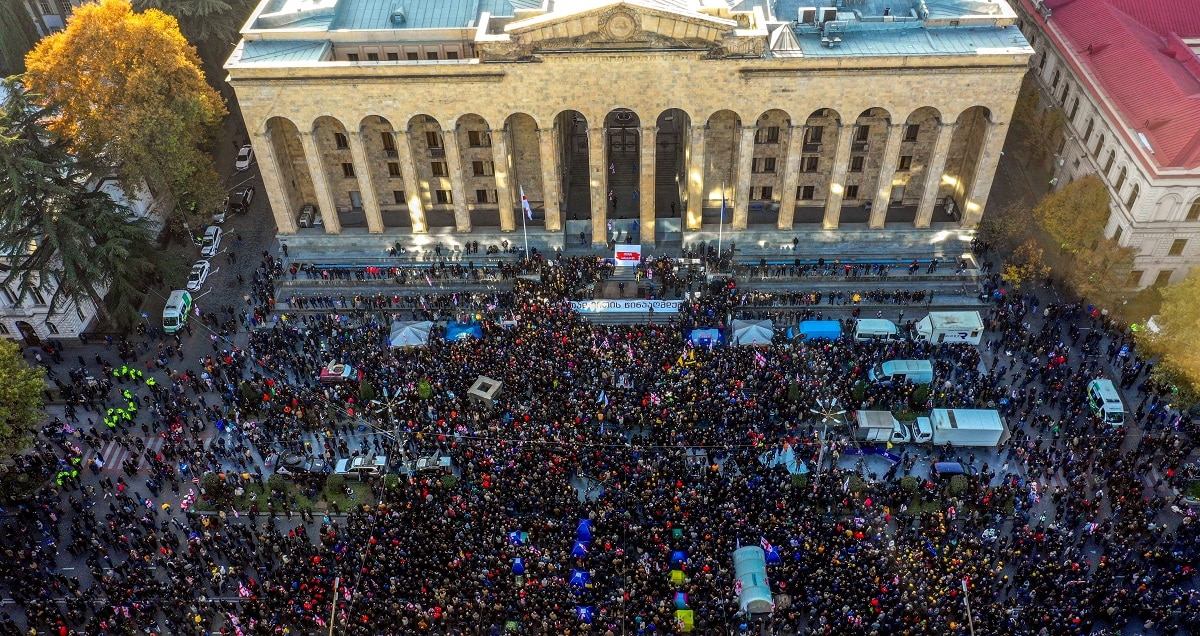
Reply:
x=526, y=211
x=526, y=233
x=721, y=226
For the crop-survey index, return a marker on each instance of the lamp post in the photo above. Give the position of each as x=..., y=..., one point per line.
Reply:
x=829, y=412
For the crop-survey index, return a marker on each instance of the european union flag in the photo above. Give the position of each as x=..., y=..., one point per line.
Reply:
x=518, y=566
x=580, y=550
x=580, y=578
x=518, y=538
x=584, y=614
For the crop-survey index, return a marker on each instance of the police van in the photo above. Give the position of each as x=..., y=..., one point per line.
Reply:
x=1105, y=402
x=175, y=313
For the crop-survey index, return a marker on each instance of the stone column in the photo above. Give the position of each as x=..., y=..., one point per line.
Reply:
x=985, y=171
x=695, y=178
x=551, y=177
x=791, y=178
x=320, y=179
x=273, y=182
x=412, y=186
x=933, y=175
x=741, y=191
x=837, y=176
x=504, y=189
x=598, y=180
x=366, y=181
x=462, y=215
x=887, y=171
x=646, y=176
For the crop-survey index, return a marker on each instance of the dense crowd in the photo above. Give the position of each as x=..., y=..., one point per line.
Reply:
x=660, y=447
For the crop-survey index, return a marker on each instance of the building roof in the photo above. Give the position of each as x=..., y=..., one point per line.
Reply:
x=1134, y=55
x=266, y=51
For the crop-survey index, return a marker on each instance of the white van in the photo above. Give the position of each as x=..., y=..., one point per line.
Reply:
x=1105, y=402
x=876, y=329
x=915, y=371
x=175, y=313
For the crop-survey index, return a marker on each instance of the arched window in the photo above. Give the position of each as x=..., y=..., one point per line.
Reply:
x=1133, y=195
x=1112, y=156
x=1194, y=211
x=1120, y=181
x=1099, y=147
x=1087, y=134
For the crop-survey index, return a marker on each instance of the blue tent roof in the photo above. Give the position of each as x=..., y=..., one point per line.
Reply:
x=463, y=330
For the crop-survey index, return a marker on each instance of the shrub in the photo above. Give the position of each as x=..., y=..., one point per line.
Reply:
x=449, y=480
x=958, y=485
x=909, y=484
x=336, y=484
x=919, y=397
x=277, y=483
x=799, y=481
x=392, y=481
x=859, y=392
x=216, y=488
x=857, y=484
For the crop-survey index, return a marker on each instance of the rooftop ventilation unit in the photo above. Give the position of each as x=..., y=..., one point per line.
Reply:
x=827, y=14
x=808, y=15
x=399, y=15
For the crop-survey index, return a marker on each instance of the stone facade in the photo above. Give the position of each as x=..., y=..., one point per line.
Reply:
x=621, y=92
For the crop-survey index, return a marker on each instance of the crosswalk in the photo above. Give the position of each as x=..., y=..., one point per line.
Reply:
x=113, y=453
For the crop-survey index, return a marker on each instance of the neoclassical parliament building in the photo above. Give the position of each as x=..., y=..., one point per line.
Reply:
x=374, y=121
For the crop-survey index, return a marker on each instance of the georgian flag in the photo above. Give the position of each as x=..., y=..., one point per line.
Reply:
x=525, y=205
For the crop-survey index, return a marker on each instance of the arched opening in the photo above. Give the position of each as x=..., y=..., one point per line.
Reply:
x=767, y=167
x=28, y=334
x=917, y=139
x=379, y=141
x=670, y=173
x=866, y=158
x=333, y=142
x=573, y=150
x=816, y=163
x=433, y=171
x=720, y=158
x=524, y=148
x=294, y=177
x=623, y=127
x=477, y=162
x=962, y=164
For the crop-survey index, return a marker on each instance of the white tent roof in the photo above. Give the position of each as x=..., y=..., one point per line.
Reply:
x=752, y=332
x=409, y=333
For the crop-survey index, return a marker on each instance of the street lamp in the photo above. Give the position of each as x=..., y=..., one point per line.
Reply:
x=829, y=413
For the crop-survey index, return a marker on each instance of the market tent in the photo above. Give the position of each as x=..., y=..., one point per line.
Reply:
x=752, y=332
x=463, y=330
x=705, y=336
x=409, y=333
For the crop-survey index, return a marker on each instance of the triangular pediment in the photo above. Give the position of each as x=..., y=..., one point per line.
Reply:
x=623, y=24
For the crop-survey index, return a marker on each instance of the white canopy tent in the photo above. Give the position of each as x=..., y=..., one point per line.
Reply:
x=409, y=333
x=752, y=332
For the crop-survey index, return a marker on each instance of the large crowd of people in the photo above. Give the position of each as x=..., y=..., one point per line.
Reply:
x=659, y=449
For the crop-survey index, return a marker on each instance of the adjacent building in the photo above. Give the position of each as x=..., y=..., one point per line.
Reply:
x=379, y=120
x=1127, y=75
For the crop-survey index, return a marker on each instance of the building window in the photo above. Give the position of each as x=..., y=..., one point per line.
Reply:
x=398, y=197
x=1042, y=64
x=813, y=134
x=911, y=131
x=1117, y=234
x=433, y=139
x=1112, y=156
x=3, y=330
x=852, y=192
x=485, y=196
x=44, y=5
x=393, y=57
x=809, y=164
x=431, y=55
x=1164, y=278
x=413, y=56
x=372, y=57
x=1099, y=147
x=393, y=169
x=443, y=197
x=38, y=298
x=1120, y=181
x=1057, y=77
x=352, y=57
x=862, y=133
x=1133, y=196
x=856, y=163
x=806, y=193
x=1066, y=93
x=389, y=141
x=9, y=297
x=483, y=168
x=1074, y=110
x=905, y=163
x=1087, y=133
x=348, y=170
x=1135, y=277
x=341, y=141
x=451, y=55
x=1194, y=211
x=479, y=138
x=764, y=193
x=763, y=164
x=1177, y=247
x=439, y=168
x=767, y=135
x=52, y=328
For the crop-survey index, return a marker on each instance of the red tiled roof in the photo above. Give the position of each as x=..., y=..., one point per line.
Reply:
x=1142, y=66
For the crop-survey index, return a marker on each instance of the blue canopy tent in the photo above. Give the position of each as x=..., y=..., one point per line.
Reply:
x=584, y=531
x=580, y=550
x=705, y=336
x=518, y=566
x=678, y=558
x=463, y=330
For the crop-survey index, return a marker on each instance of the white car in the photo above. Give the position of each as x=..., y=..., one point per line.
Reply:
x=222, y=211
x=198, y=276
x=211, y=242
x=244, y=157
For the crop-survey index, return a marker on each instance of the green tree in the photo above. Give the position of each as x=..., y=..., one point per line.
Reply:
x=128, y=89
x=1101, y=273
x=60, y=236
x=1074, y=217
x=17, y=35
x=21, y=388
x=202, y=21
x=1178, y=344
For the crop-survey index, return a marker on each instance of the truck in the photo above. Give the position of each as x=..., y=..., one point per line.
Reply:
x=879, y=426
x=966, y=427
x=176, y=311
x=957, y=327
x=813, y=329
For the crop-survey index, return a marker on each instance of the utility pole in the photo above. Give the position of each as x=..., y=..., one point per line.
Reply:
x=333, y=609
x=967, y=600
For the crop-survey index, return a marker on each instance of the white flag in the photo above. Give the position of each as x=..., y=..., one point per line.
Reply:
x=525, y=205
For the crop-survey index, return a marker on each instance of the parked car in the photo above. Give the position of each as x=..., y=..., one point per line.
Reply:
x=339, y=373
x=198, y=275
x=239, y=203
x=219, y=213
x=211, y=241
x=361, y=467
x=244, y=157
x=297, y=464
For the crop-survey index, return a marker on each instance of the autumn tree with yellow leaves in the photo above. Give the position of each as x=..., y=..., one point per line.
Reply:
x=1178, y=344
x=128, y=90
